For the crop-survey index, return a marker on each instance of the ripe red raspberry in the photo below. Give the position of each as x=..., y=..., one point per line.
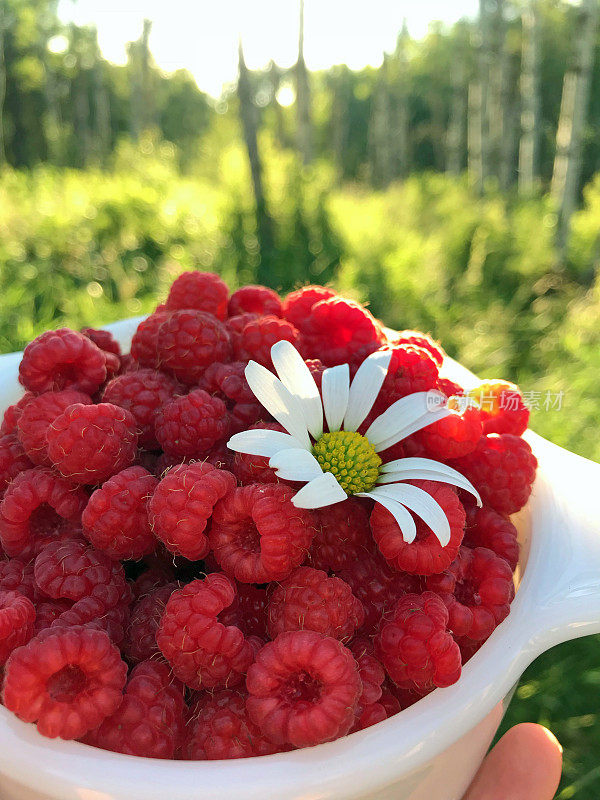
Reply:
x=454, y=436
x=415, y=646
x=115, y=519
x=342, y=535
x=62, y=359
x=486, y=528
x=377, y=587
x=13, y=460
x=477, y=589
x=17, y=576
x=31, y=495
x=419, y=339
x=316, y=368
x=189, y=341
x=17, y=616
x=309, y=600
x=243, y=415
x=502, y=469
x=40, y=413
x=192, y=424
x=411, y=370
x=235, y=325
x=144, y=344
x=150, y=719
x=303, y=689
x=259, y=336
x=204, y=653
x=142, y=393
x=47, y=528
x=159, y=573
x=297, y=305
x=337, y=329
x=450, y=388
x=203, y=291
x=71, y=570
x=229, y=380
x=67, y=680
x=372, y=675
x=103, y=339
x=140, y=639
x=424, y=556
x=220, y=728
x=88, y=444
x=248, y=611
x=182, y=504
x=257, y=534
x=255, y=469
x=46, y=611
x=106, y=613
x=255, y=300
x=503, y=409
x=12, y=414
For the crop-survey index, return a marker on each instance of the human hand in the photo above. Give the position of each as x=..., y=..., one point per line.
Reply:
x=524, y=765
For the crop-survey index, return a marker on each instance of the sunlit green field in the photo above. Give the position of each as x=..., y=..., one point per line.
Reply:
x=88, y=248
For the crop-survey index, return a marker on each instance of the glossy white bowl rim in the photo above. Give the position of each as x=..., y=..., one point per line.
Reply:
x=558, y=599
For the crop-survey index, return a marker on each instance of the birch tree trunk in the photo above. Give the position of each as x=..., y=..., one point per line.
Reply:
x=379, y=128
x=478, y=134
x=572, y=120
x=498, y=68
x=303, y=132
x=530, y=99
x=511, y=113
x=101, y=112
x=400, y=146
x=264, y=224
x=455, y=138
x=339, y=119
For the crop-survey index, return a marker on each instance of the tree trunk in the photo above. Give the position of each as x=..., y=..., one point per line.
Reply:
x=3, y=23
x=379, y=128
x=511, y=114
x=530, y=99
x=148, y=100
x=304, y=132
x=264, y=223
x=102, y=112
x=572, y=120
x=400, y=144
x=339, y=120
x=458, y=113
x=497, y=111
x=478, y=136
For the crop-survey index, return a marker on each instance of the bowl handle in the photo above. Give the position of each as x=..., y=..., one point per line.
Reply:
x=563, y=567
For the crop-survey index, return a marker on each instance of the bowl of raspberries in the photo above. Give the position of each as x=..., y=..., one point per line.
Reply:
x=254, y=546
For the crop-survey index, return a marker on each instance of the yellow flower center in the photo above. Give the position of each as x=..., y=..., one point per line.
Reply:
x=350, y=457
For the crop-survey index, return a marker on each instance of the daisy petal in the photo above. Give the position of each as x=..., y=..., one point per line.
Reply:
x=295, y=465
x=402, y=413
x=408, y=469
x=321, y=491
x=262, y=442
x=403, y=517
x=278, y=401
x=422, y=503
x=422, y=422
x=335, y=388
x=296, y=377
x=365, y=387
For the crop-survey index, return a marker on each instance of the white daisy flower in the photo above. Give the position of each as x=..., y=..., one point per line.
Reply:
x=342, y=462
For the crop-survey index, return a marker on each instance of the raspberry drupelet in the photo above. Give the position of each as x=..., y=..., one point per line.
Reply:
x=486, y=528
x=249, y=610
x=422, y=340
x=36, y=494
x=150, y=719
x=415, y=645
x=37, y=417
x=502, y=469
x=88, y=444
x=255, y=300
x=303, y=689
x=259, y=336
x=140, y=639
x=203, y=291
x=17, y=617
x=228, y=379
x=297, y=305
x=182, y=504
x=220, y=728
x=17, y=575
x=67, y=680
x=143, y=393
x=453, y=436
x=188, y=341
x=477, y=589
x=189, y=426
x=108, y=613
x=309, y=600
x=115, y=519
x=342, y=535
x=235, y=325
x=103, y=339
x=62, y=359
x=372, y=675
x=12, y=414
x=503, y=409
x=203, y=653
x=144, y=344
x=257, y=534
x=425, y=555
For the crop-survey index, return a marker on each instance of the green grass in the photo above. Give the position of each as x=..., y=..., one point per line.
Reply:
x=88, y=248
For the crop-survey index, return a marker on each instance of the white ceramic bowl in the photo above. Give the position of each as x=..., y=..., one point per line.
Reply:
x=428, y=752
